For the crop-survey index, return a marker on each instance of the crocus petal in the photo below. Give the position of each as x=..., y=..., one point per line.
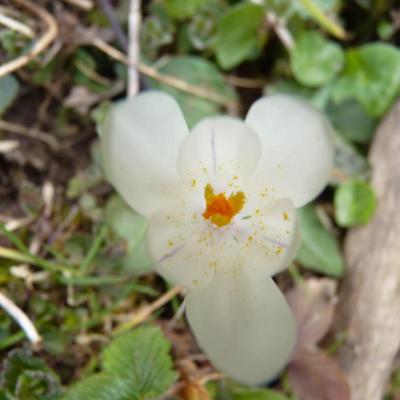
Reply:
x=269, y=236
x=297, y=153
x=218, y=150
x=140, y=138
x=244, y=326
x=186, y=249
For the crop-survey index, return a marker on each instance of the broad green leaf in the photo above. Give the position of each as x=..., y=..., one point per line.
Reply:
x=239, y=34
x=181, y=9
x=9, y=88
x=101, y=386
x=351, y=121
x=136, y=366
x=141, y=358
x=196, y=71
x=355, y=203
x=25, y=377
x=258, y=394
x=372, y=76
x=320, y=250
x=315, y=60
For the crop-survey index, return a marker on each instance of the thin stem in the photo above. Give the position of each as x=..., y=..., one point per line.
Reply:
x=21, y=318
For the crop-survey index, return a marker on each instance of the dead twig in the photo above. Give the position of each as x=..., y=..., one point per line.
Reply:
x=21, y=319
x=15, y=25
x=49, y=35
x=29, y=132
x=167, y=79
x=281, y=30
x=143, y=314
x=133, y=47
x=85, y=5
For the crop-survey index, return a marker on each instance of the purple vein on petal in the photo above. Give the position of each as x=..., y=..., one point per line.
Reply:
x=172, y=252
x=275, y=242
x=214, y=152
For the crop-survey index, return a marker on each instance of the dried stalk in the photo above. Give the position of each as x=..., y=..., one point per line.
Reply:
x=40, y=45
x=167, y=79
x=133, y=47
x=21, y=318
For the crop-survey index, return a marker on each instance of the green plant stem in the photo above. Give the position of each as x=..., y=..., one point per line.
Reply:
x=94, y=248
x=322, y=19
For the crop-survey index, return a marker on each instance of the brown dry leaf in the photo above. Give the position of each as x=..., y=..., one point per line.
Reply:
x=193, y=391
x=316, y=376
x=312, y=303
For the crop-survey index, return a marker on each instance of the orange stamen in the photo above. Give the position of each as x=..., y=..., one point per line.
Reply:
x=219, y=209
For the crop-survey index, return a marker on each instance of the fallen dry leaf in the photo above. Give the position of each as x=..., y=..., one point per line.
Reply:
x=312, y=303
x=313, y=375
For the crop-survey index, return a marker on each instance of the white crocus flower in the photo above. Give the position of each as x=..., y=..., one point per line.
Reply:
x=221, y=207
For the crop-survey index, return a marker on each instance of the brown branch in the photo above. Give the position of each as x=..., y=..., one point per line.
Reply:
x=40, y=45
x=145, y=313
x=167, y=79
x=369, y=309
x=29, y=132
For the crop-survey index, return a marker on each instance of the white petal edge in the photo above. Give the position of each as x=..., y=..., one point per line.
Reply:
x=244, y=326
x=140, y=140
x=186, y=249
x=218, y=150
x=297, y=153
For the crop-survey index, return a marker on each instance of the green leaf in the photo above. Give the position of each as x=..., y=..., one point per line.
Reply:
x=318, y=97
x=28, y=378
x=351, y=121
x=239, y=34
x=372, y=76
x=141, y=357
x=320, y=250
x=348, y=162
x=355, y=203
x=136, y=366
x=316, y=60
x=131, y=227
x=196, y=71
x=181, y=9
x=101, y=386
x=258, y=394
x=9, y=88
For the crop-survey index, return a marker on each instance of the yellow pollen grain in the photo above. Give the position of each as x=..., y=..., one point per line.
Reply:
x=279, y=250
x=285, y=216
x=170, y=243
x=235, y=177
x=258, y=211
x=250, y=238
x=194, y=182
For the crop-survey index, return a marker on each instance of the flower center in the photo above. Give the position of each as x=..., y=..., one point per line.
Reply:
x=219, y=209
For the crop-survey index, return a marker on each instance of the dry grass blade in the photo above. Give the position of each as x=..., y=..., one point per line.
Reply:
x=29, y=132
x=40, y=45
x=146, y=311
x=167, y=79
x=16, y=25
